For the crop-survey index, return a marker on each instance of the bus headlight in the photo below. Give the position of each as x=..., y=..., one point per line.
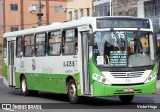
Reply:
x=151, y=77
x=101, y=79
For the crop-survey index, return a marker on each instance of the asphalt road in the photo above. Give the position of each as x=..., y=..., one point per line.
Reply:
x=59, y=102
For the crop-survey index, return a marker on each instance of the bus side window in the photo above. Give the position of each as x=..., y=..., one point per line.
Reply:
x=70, y=44
x=29, y=42
x=40, y=48
x=19, y=46
x=54, y=43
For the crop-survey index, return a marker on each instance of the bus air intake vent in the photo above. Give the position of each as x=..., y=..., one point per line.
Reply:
x=136, y=91
x=135, y=74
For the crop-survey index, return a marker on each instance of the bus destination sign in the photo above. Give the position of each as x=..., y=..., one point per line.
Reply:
x=118, y=58
x=122, y=23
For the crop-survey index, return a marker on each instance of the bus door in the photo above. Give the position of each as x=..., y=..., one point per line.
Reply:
x=11, y=78
x=85, y=62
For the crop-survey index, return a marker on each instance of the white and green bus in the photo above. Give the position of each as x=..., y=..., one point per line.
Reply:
x=93, y=56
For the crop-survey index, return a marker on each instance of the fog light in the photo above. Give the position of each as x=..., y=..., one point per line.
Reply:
x=104, y=80
x=149, y=78
x=98, y=77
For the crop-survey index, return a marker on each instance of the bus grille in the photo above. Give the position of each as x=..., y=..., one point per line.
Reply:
x=127, y=74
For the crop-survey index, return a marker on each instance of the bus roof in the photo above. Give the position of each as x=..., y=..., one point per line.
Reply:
x=62, y=25
x=51, y=27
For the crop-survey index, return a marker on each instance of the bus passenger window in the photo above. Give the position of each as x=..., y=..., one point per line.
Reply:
x=54, y=43
x=19, y=46
x=40, y=48
x=28, y=45
x=70, y=46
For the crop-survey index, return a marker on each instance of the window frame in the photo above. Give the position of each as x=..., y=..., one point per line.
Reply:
x=76, y=41
x=22, y=45
x=82, y=12
x=14, y=27
x=24, y=53
x=45, y=44
x=14, y=7
x=53, y=43
x=76, y=14
x=88, y=11
x=58, y=8
x=70, y=16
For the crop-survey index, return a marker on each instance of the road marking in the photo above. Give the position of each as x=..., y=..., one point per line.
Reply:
x=2, y=86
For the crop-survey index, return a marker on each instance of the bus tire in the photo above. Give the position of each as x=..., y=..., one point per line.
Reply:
x=24, y=88
x=72, y=92
x=126, y=98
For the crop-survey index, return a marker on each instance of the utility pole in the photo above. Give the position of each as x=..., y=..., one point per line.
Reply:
x=22, y=16
x=110, y=4
x=154, y=7
x=39, y=14
x=47, y=12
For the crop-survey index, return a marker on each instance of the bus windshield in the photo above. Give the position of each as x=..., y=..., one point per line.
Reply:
x=123, y=48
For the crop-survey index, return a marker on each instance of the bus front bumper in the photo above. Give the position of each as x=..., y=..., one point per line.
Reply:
x=100, y=89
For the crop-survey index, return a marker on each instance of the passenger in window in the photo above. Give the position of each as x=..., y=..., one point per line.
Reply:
x=76, y=48
x=109, y=47
x=33, y=52
x=137, y=46
x=63, y=44
x=21, y=54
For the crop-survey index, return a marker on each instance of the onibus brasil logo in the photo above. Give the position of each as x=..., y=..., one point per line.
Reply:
x=13, y=107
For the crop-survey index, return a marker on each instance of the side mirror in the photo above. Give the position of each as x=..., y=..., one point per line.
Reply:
x=91, y=39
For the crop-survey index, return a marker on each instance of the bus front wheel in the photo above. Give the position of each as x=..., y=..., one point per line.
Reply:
x=126, y=98
x=72, y=92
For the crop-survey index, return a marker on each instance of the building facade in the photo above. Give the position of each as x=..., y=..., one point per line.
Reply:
x=152, y=10
x=124, y=7
x=15, y=14
x=138, y=8
x=78, y=8
x=102, y=7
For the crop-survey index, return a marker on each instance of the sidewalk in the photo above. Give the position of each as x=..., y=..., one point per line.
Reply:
x=0, y=75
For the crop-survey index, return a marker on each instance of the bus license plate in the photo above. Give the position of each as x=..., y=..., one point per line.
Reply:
x=128, y=89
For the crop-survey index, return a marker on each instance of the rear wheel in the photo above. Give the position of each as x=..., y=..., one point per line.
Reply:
x=24, y=88
x=126, y=98
x=72, y=92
